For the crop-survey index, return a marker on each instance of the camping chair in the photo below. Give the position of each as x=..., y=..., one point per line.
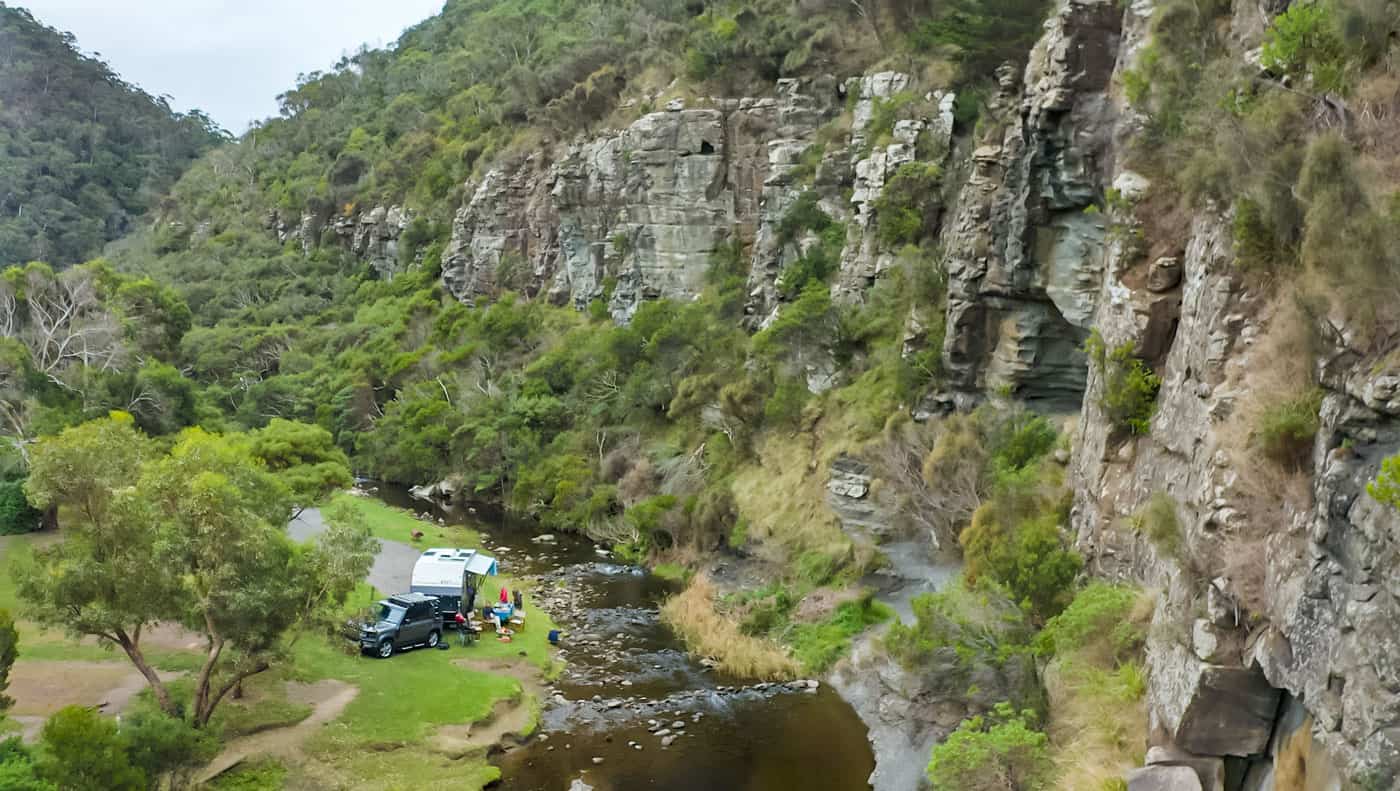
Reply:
x=470, y=631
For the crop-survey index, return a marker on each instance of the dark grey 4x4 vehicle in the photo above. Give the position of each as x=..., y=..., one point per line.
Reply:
x=401, y=621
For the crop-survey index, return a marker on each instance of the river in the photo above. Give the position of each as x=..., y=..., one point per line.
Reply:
x=632, y=697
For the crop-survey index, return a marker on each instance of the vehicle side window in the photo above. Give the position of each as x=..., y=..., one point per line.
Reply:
x=415, y=612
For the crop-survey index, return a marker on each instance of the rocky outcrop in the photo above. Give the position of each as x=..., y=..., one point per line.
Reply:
x=371, y=235
x=864, y=258
x=1025, y=250
x=909, y=709
x=640, y=214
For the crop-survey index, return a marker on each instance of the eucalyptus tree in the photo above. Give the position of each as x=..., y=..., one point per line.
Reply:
x=194, y=537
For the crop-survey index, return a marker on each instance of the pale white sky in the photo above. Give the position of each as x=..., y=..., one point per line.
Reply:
x=229, y=58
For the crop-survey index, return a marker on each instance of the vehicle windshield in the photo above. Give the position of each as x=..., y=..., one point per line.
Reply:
x=390, y=613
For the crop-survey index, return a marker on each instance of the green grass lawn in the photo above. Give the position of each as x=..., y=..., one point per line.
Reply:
x=253, y=776
x=237, y=718
x=403, y=700
x=671, y=571
x=396, y=524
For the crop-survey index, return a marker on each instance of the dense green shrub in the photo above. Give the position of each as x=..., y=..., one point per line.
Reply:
x=1099, y=609
x=784, y=407
x=907, y=207
x=1000, y=751
x=17, y=769
x=1030, y=556
x=1256, y=247
x=818, y=261
x=1284, y=430
x=1386, y=487
x=1016, y=442
x=16, y=514
x=1304, y=41
x=79, y=748
x=805, y=214
x=160, y=745
x=1128, y=395
x=981, y=34
x=970, y=625
x=9, y=652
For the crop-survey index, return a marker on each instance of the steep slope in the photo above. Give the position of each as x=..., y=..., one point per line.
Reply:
x=1242, y=496
x=82, y=153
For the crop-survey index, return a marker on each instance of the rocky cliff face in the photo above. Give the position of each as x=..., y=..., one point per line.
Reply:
x=1023, y=254
x=372, y=235
x=1030, y=273
x=641, y=213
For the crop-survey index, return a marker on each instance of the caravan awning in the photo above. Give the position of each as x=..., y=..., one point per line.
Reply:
x=481, y=565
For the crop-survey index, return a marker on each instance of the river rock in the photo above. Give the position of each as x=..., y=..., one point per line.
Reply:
x=579, y=785
x=667, y=741
x=597, y=760
x=1210, y=770
x=1163, y=778
x=1212, y=709
x=1164, y=275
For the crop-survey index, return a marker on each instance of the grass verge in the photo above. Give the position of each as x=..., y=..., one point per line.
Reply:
x=1095, y=682
x=397, y=524
x=819, y=645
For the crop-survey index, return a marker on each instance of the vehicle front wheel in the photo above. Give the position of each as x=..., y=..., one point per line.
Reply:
x=433, y=638
x=386, y=649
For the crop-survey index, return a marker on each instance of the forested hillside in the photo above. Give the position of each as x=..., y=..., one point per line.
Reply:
x=83, y=154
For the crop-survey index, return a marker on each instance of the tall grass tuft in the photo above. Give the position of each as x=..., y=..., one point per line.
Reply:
x=709, y=633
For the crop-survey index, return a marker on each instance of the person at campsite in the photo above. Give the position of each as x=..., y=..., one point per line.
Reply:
x=505, y=597
x=461, y=626
x=495, y=621
x=519, y=600
x=469, y=598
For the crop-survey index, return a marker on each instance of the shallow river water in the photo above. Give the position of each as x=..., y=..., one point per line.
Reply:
x=629, y=684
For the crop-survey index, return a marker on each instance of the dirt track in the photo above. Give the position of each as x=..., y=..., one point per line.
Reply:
x=328, y=699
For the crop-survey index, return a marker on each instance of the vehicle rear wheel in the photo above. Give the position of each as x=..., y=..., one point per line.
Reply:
x=433, y=638
x=386, y=649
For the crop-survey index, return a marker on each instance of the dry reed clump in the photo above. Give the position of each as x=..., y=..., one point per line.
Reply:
x=708, y=633
x=1291, y=763
x=1098, y=714
x=1269, y=493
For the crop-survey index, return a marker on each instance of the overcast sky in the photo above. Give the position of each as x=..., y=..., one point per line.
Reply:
x=229, y=58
